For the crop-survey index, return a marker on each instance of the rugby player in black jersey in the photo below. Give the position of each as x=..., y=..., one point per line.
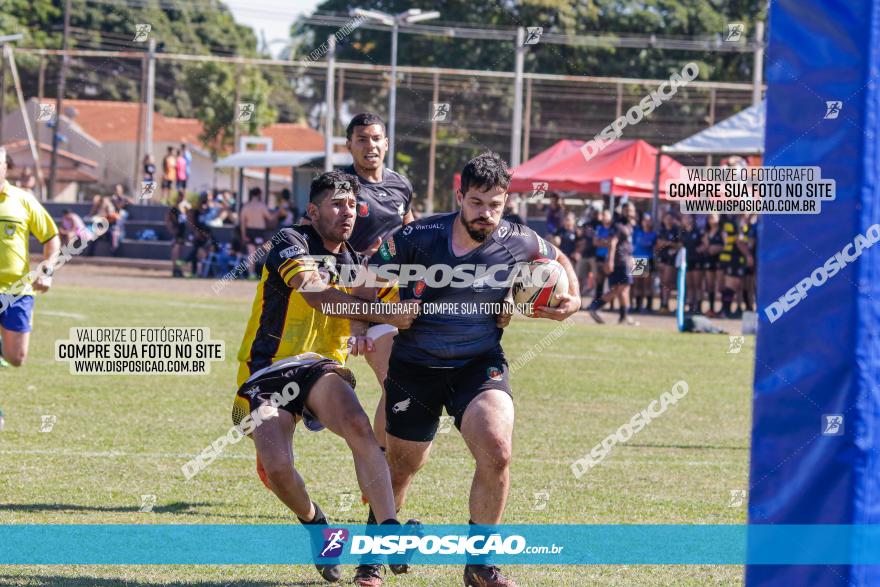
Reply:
x=453, y=359
x=383, y=207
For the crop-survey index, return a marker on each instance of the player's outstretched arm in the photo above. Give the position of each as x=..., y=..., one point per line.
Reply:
x=570, y=302
x=333, y=302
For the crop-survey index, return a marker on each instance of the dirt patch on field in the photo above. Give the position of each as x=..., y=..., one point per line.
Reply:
x=147, y=280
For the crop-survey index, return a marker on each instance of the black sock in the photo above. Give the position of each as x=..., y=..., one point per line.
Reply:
x=747, y=299
x=318, y=519
x=711, y=301
x=649, y=303
x=638, y=304
x=727, y=295
x=623, y=311
x=371, y=517
x=596, y=304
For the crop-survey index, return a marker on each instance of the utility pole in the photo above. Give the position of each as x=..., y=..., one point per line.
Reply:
x=408, y=17
x=392, y=98
x=329, y=109
x=2, y=90
x=59, y=101
x=516, y=136
x=151, y=98
x=432, y=150
x=139, y=145
x=41, y=91
x=237, y=173
x=35, y=151
x=527, y=123
x=758, y=63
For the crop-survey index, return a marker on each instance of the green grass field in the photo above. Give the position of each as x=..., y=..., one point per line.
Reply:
x=118, y=437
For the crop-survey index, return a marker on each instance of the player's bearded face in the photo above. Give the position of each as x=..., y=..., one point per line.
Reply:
x=481, y=211
x=368, y=145
x=334, y=217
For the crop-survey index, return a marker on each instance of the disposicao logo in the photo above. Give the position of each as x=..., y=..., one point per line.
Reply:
x=334, y=540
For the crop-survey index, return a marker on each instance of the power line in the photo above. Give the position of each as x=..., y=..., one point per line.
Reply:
x=626, y=40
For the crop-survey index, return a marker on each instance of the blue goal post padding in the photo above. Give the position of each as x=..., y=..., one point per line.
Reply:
x=820, y=359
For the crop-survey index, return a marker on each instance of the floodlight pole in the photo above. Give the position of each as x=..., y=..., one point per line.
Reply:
x=329, y=95
x=410, y=16
x=59, y=100
x=392, y=98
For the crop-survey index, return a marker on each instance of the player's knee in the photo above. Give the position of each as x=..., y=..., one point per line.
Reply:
x=406, y=464
x=497, y=456
x=358, y=428
x=15, y=358
x=279, y=472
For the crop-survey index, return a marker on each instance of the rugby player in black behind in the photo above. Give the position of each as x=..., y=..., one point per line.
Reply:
x=456, y=360
x=383, y=207
x=293, y=352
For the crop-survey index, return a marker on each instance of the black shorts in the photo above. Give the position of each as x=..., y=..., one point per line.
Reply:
x=181, y=184
x=167, y=183
x=302, y=370
x=710, y=264
x=620, y=276
x=697, y=264
x=734, y=269
x=415, y=395
x=666, y=258
x=256, y=236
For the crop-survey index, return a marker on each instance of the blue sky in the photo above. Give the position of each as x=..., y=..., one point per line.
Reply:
x=273, y=17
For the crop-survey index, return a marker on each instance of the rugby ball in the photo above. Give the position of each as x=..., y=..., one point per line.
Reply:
x=537, y=283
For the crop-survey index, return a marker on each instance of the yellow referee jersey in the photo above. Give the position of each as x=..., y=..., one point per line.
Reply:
x=282, y=324
x=20, y=215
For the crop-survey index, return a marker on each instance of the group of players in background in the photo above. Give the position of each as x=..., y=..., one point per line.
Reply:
x=721, y=254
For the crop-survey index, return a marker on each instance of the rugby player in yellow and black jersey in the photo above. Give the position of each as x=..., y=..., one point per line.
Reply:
x=293, y=352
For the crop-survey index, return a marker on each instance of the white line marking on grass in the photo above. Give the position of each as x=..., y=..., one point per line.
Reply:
x=62, y=314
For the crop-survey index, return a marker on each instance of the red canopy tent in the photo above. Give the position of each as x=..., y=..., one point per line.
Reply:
x=624, y=167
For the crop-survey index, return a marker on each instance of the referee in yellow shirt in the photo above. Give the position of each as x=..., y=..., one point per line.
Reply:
x=20, y=216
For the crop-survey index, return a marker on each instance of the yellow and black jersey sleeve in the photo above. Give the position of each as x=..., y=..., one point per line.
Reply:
x=290, y=256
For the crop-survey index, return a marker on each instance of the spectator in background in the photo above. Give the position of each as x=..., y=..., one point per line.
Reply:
x=601, y=238
x=287, y=215
x=121, y=201
x=181, y=171
x=28, y=180
x=253, y=224
x=72, y=226
x=510, y=213
x=566, y=236
x=213, y=210
x=585, y=250
x=668, y=244
x=175, y=222
x=102, y=206
x=618, y=267
x=644, y=240
x=149, y=168
x=227, y=203
x=187, y=157
x=692, y=241
x=713, y=244
x=750, y=232
x=169, y=173
x=555, y=212
x=202, y=237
